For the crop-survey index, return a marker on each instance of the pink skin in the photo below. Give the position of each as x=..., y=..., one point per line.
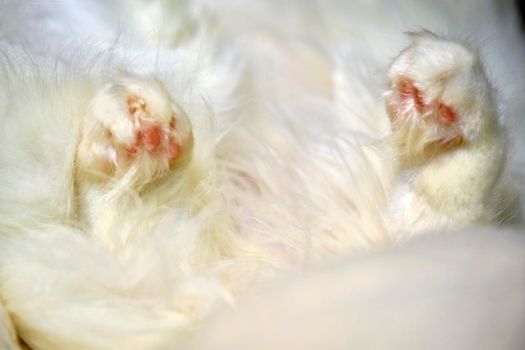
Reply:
x=153, y=138
x=150, y=136
x=410, y=93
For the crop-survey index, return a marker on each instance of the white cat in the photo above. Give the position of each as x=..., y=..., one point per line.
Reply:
x=143, y=187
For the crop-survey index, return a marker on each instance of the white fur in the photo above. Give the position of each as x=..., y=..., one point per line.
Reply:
x=287, y=168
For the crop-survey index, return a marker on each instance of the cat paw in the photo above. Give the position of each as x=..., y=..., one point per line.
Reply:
x=133, y=129
x=438, y=98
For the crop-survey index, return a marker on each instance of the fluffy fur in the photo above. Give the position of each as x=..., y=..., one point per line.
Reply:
x=160, y=159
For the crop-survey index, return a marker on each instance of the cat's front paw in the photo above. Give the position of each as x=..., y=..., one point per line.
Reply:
x=445, y=136
x=438, y=98
x=134, y=129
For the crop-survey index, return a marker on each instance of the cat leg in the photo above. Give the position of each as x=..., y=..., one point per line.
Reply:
x=133, y=136
x=445, y=137
x=133, y=132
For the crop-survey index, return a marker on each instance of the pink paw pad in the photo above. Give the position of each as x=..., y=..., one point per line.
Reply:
x=448, y=114
x=152, y=135
x=409, y=94
x=156, y=139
